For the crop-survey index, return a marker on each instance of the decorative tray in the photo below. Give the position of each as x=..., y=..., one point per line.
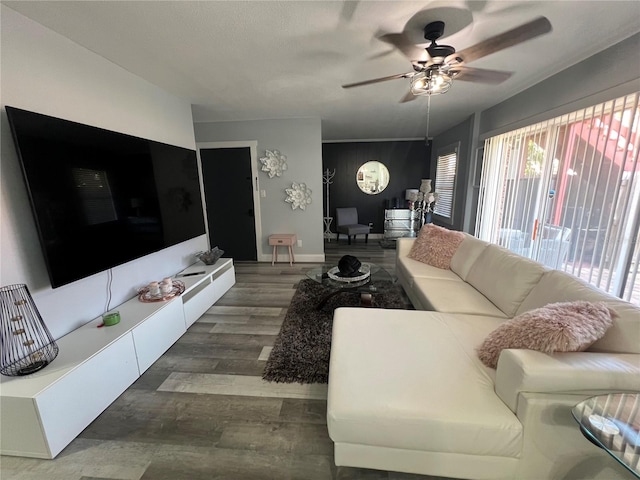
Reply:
x=365, y=272
x=145, y=296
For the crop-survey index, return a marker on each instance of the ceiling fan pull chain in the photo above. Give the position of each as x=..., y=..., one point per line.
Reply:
x=428, y=114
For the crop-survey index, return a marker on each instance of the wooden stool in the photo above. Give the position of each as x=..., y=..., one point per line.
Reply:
x=284, y=239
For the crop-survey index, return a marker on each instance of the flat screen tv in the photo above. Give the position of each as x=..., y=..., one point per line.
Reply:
x=102, y=198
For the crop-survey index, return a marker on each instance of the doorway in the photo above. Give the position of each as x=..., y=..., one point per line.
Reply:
x=230, y=190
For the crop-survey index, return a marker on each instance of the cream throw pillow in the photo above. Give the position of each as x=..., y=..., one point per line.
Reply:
x=436, y=246
x=557, y=327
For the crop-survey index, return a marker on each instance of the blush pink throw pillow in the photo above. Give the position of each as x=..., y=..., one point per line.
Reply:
x=436, y=246
x=557, y=327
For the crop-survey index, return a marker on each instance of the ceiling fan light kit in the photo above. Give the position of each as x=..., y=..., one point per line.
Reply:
x=431, y=82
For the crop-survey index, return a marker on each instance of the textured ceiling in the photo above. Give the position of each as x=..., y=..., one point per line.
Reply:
x=280, y=59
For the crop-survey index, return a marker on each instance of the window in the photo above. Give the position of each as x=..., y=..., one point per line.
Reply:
x=446, y=166
x=566, y=192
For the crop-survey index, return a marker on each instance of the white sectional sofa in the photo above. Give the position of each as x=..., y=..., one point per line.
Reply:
x=408, y=393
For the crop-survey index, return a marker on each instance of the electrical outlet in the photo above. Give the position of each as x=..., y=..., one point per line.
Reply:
x=300, y=243
x=263, y=193
x=371, y=224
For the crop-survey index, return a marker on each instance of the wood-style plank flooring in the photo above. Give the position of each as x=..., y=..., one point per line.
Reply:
x=202, y=410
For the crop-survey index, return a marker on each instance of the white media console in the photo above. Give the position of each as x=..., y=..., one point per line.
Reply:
x=42, y=413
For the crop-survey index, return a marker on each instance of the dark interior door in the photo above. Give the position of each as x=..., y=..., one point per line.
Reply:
x=228, y=190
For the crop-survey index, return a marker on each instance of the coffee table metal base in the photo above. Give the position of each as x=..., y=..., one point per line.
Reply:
x=366, y=299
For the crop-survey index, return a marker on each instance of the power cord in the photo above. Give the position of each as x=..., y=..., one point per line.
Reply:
x=109, y=284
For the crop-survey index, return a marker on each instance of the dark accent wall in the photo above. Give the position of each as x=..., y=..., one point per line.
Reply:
x=407, y=161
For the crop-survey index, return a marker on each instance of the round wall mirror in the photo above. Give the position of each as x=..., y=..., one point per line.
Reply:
x=372, y=177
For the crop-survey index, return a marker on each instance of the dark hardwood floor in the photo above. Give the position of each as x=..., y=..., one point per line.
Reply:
x=202, y=410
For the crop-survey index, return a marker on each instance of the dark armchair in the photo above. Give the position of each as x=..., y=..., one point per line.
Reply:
x=347, y=223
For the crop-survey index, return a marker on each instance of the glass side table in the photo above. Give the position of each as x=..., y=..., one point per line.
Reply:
x=612, y=422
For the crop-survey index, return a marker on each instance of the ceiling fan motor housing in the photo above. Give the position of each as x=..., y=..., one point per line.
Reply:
x=441, y=51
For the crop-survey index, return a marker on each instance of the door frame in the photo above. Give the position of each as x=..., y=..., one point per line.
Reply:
x=253, y=149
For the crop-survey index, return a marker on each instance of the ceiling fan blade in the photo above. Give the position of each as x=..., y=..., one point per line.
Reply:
x=402, y=42
x=378, y=80
x=408, y=97
x=348, y=9
x=480, y=75
x=535, y=28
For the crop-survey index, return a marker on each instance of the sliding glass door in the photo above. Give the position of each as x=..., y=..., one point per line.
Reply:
x=566, y=193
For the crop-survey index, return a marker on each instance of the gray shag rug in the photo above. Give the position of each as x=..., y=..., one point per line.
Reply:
x=301, y=350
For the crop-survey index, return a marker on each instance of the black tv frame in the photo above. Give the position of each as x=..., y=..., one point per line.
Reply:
x=153, y=198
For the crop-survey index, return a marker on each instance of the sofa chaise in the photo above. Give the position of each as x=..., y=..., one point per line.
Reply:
x=408, y=393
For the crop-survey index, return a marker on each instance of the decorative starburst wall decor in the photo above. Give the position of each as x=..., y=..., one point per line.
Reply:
x=274, y=162
x=299, y=196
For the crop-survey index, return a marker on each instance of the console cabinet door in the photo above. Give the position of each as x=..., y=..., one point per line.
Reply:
x=154, y=336
x=196, y=305
x=68, y=406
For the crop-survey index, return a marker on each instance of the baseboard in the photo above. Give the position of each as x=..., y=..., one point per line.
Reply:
x=360, y=238
x=298, y=257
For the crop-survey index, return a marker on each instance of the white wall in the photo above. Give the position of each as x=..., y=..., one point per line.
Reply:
x=44, y=72
x=300, y=139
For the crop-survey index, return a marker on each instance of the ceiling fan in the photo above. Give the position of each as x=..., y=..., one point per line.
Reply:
x=435, y=67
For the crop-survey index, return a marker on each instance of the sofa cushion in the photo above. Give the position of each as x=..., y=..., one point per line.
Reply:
x=504, y=277
x=557, y=286
x=466, y=255
x=471, y=331
x=436, y=245
x=557, y=327
x=403, y=246
x=412, y=269
x=453, y=296
x=402, y=389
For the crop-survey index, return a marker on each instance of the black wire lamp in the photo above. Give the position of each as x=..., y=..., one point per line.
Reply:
x=26, y=345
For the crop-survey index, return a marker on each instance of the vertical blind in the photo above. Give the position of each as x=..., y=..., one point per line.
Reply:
x=446, y=166
x=566, y=192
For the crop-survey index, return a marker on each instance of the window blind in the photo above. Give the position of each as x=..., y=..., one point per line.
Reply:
x=446, y=167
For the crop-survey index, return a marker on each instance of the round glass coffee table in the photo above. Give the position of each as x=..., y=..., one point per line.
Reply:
x=378, y=281
x=612, y=422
